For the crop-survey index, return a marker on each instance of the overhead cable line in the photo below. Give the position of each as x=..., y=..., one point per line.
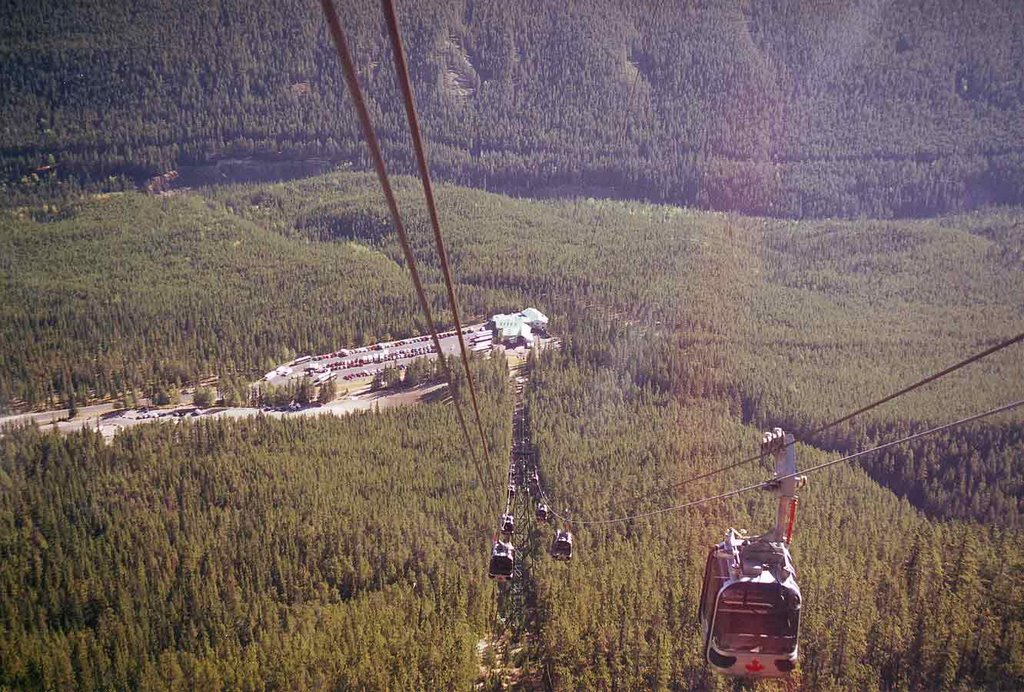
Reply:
x=405, y=83
x=864, y=409
x=922, y=382
x=812, y=469
x=351, y=79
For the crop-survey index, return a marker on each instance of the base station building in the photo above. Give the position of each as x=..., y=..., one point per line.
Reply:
x=518, y=329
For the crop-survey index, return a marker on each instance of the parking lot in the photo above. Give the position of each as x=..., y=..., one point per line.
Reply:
x=347, y=365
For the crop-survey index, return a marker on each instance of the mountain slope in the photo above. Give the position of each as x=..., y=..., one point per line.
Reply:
x=801, y=108
x=791, y=323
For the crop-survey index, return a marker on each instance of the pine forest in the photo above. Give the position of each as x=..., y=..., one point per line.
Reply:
x=736, y=216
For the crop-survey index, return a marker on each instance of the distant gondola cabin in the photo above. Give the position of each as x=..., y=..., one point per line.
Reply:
x=503, y=561
x=561, y=546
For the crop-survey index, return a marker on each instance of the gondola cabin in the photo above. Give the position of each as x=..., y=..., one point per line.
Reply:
x=542, y=512
x=508, y=524
x=750, y=607
x=503, y=561
x=561, y=547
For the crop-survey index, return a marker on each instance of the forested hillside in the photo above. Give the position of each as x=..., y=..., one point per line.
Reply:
x=892, y=600
x=796, y=322
x=351, y=553
x=129, y=292
x=244, y=555
x=744, y=214
x=790, y=108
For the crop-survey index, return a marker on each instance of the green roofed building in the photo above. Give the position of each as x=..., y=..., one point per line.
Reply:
x=535, y=318
x=517, y=329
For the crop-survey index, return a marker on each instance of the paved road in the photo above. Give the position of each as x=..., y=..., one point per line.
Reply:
x=44, y=417
x=111, y=422
x=363, y=363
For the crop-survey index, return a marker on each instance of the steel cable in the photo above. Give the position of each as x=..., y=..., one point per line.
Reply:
x=352, y=81
x=864, y=409
x=812, y=469
x=405, y=83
